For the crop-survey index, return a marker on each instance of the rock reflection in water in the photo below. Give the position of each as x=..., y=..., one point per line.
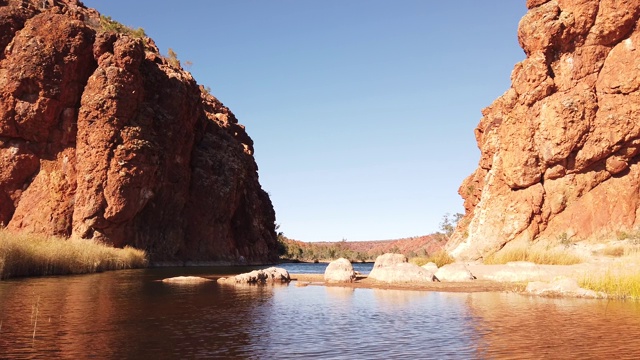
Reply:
x=35, y=311
x=398, y=297
x=130, y=314
x=339, y=293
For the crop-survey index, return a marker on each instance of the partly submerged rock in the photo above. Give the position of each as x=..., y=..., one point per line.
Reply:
x=455, y=272
x=561, y=286
x=394, y=268
x=339, y=271
x=186, y=280
x=272, y=275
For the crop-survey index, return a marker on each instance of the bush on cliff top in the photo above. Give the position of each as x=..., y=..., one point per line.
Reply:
x=109, y=25
x=35, y=255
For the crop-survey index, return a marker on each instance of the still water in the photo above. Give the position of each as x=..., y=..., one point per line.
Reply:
x=130, y=315
x=319, y=268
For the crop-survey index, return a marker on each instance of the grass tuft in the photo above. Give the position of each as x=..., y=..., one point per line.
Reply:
x=440, y=258
x=628, y=249
x=537, y=256
x=615, y=251
x=36, y=255
x=620, y=286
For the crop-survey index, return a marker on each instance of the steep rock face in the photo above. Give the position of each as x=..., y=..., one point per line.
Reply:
x=559, y=150
x=102, y=138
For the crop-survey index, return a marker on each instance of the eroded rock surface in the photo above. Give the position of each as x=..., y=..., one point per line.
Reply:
x=103, y=138
x=430, y=266
x=456, y=272
x=272, y=275
x=561, y=286
x=559, y=150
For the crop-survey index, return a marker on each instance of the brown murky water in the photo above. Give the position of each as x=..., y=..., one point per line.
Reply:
x=129, y=315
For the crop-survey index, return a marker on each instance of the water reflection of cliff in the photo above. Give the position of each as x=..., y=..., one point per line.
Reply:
x=534, y=327
x=56, y=311
x=126, y=315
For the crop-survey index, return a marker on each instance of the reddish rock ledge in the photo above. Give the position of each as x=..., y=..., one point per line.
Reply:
x=103, y=138
x=559, y=150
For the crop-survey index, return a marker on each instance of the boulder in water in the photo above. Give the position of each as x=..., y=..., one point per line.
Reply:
x=339, y=271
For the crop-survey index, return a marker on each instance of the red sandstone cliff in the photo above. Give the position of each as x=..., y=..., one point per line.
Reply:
x=103, y=138
x=559, y=150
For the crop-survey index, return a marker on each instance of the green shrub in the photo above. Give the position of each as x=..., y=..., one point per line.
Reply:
x=173, y=58
x=109, y=25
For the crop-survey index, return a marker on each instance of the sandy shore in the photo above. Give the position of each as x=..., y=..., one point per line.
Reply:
x=366, y=283
x=511, y=277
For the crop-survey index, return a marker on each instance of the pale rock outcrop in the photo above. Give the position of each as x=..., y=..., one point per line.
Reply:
x=516, y=271
x=430, y=266
x=394, y=268
x=272, y=275
x=456, y=272
x=560, y=148
x=339, y=271
x=186, y=280
x=561, y=286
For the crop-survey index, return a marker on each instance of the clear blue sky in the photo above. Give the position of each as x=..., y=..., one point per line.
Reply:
x=362, y=111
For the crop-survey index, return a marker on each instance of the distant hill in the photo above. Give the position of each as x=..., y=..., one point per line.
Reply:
x=416, y=245
x=361, y=250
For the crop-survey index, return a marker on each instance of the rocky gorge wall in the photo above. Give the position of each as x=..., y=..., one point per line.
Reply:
x=103, y=138
x=559, y=149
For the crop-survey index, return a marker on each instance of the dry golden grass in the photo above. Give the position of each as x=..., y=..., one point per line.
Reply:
x=440, y=258
x=621, y=286
x=615, y=251
x=34, y=255
x=419, y=260
x=621, y=250
x=534, y=255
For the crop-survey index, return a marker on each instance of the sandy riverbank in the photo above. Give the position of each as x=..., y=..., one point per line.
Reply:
x=552, y=280
x=366, y=283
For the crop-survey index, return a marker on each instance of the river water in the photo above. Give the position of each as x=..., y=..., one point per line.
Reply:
x=131, y=315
